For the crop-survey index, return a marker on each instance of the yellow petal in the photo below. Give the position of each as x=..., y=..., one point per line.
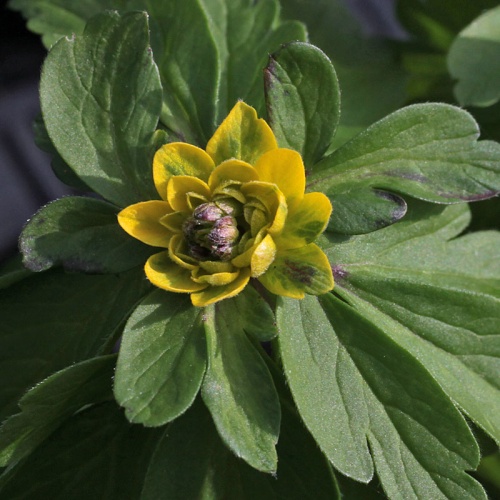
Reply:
x=182, y=189
x=142, y=221
x=173, y=221
x=306, y=220
x=214, y=266
x=242, y=136
x=259, y=257
x=164, y=273
x=178, y=252
x=232, y=171
x=272, y=198
x=284, y=168
x=298, y=271
x=179, y=158
x=215, y=279
x=216, y=293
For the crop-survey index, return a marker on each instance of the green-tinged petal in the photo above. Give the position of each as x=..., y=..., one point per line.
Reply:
x=215, y=293
x=142, y=221
x=215, y=279
x=232, y=171
x=306, y=220
x=183, y=189
x=164, y=273
x=298, y=271
x=179, y=158
x=272, y=198
x=214, y=266
x=284, y=168
x=242, y=135
x=259, y=256
x=178, y=252
x=173, y=221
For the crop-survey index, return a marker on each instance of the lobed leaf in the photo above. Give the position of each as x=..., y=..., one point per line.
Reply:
x=101, y=97
x=161, y=361
x=80, y=234
x=239, y=391
x=411, y=426
x=436, y=296
x=428, y=151
x=473, y=60
x=303, y=100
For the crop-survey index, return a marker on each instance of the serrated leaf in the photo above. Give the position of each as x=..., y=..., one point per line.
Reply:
x=428, y=151
x=473, y=60
x=303, y=100
x=51, y=320
x=436, y=296
x=246, y=32
x=360, y=211
x=101, y=97
x=411, y=426
x=96, y=454
x=239, y=392
x=80, y=234
x=161, y=361
x=51, y=402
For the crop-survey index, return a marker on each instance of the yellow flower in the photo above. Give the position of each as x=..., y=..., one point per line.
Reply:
x=233, y=212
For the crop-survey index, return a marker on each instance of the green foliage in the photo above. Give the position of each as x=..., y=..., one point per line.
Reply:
x=473, y=60
x=162, y=360
x=80, y=234
x=259, y=396
x=303, y=100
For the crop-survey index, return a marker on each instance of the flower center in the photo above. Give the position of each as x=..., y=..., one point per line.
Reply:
x=212, y=232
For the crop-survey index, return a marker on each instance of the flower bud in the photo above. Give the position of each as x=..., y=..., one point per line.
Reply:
x=210, y=233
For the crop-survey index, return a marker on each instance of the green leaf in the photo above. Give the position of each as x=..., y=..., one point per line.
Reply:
x=428, y=151
x=101, y=97
x=437, y=296
x=371, y=79
x=326, y=386
x=59, y=166
x=239, y=391
x=51, y=320
x=419, y=442
x=246, y=32
x=435, y=23
x=81, y=234
x=252, y=314
x=187, y=59
x=162, y=359
x=303, y=100
x=191, y=461
x=95, y=454
x=360, y=211
x=473, y=60
x=49, y=403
